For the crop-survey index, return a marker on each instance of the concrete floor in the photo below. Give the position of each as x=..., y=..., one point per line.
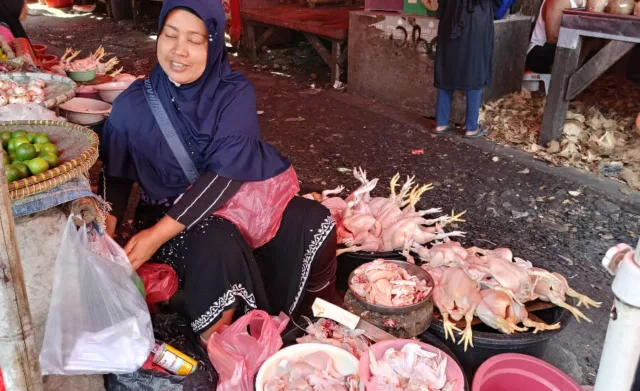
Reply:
x=511, y=200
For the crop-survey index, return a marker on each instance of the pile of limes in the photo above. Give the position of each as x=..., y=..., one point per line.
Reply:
x=27, y=154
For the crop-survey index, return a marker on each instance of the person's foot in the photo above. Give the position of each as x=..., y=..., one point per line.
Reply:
x=444, y=129
x=480, y=131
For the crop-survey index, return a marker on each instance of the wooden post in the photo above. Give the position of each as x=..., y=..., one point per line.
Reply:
x=336, y=52
x=19, y=355
x=555, y=109
x=250, y=42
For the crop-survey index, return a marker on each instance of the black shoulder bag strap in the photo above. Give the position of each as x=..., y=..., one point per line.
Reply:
x=169, y=133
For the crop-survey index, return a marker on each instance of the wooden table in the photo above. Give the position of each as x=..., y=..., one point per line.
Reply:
x=567, y=81
x=331, y=24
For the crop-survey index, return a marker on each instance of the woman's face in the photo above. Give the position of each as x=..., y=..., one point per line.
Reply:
x=182, y=46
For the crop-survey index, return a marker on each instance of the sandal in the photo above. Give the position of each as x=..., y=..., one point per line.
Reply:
x=481, y=131
x=448, y=129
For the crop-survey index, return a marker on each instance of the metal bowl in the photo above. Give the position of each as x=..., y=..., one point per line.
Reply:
x=383, y=309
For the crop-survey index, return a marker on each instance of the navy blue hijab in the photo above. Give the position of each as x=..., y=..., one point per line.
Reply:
x=215, y=116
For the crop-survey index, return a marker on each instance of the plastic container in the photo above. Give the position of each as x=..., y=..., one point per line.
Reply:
x=417, y=7
x=488, y=342
x=348, y=262
x=59, y=3
x=384, y=5
x=507, y=372
x=83, y=111
x=39, y=49
x=81, y=76
x=344, y=362
x=48, y=58
x=454, y=372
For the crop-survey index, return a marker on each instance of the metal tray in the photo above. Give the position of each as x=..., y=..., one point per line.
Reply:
x=383, y=309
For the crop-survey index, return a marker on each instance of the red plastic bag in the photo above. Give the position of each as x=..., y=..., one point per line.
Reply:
x=1, y=381
x=160, y=282
x=257, y=208
x=232, y=16
x=237, y=355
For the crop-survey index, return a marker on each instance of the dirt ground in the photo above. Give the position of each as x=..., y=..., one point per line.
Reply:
x=510, y=200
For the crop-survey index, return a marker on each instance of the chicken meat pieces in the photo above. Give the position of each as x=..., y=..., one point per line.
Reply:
x=456, y=296
x=411, y=368
x=314, y=372
x=553, y=288
x=385, y=283
x=498, y=311
x=328, y=332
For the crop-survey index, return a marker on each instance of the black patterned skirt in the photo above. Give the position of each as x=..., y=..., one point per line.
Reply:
x=219, y=271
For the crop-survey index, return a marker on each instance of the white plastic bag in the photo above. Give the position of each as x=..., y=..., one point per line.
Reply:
x=27, y=111
x=98, y=321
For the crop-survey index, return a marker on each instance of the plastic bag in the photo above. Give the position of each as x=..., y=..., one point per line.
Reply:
x=160, y=283
x=247, y=208
x=98, y=322
x=27, y=111
x=237, y=354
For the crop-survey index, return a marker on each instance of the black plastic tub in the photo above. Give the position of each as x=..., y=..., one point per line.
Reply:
x=348, y=262
x=488, y=342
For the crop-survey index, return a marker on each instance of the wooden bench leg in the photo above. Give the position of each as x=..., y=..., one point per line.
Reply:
x=336, y=58
x=250, y=42
x=555, y=109
x=136, y=7
x=264, y=37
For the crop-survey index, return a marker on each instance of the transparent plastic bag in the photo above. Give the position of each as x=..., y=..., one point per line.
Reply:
x=237, y=354
x=98, y=321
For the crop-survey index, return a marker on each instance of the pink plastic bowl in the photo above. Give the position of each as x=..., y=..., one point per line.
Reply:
x=39, y=49
x=454, y=373
x=512, y=371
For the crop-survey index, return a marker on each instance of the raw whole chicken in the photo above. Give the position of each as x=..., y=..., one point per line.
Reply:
x=385, y=283
x=499, y=311
x=87, y=64
x=330, y=333
x=15, y=93
x=313, y=372
x=412, y=368
x=456, y=296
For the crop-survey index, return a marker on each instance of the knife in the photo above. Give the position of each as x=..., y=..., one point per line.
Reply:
x=324, y=309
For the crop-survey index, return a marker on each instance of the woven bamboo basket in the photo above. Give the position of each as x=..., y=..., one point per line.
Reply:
x=78, y=153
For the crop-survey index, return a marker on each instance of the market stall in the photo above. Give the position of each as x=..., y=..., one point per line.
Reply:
x=622, y=33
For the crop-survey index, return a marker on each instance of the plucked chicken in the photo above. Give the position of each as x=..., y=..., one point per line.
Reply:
x=385, y=283
x=328, y=332
x=411, y=368
x=314, y=372
x=93, y=61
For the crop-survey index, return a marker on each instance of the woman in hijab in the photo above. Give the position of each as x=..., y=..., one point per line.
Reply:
x=464, y=59
x=11, y=13
x=189, y=137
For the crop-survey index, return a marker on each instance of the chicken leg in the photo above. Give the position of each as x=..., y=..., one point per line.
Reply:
x=467, y=333
x=540, y=326
x=327, y=193
x=449, y=327
x=582, y=299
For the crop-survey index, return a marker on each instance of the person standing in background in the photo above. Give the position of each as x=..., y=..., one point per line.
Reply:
x=464, y=59
x=11, y=13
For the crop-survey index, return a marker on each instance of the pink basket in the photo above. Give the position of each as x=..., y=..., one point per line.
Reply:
x=454, y=373
x=512, y=371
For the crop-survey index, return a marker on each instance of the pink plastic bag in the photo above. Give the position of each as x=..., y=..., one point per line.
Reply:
x=237, y=355
x=257, y=208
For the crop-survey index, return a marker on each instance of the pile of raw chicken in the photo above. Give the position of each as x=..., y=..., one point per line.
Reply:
x=16, y=93
x=411, y=369
x=387, y=284
x=494, y=286
x=328, y=332
x=93, y=61
x=315, y=371
x=367, y=223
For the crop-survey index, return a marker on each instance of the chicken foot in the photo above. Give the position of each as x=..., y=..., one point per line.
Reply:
x=538, y=326
x=327, y=193
x=449, y=327
x=582, y=299
x=467, y=333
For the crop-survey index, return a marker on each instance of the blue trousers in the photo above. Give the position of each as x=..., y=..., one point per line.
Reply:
x=443, y=108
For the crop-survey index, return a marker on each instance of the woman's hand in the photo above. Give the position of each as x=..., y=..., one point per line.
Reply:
x=145, y=243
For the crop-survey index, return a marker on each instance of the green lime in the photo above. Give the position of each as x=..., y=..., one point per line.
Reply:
x=49, y=147
x=31, y=136
x=12, y=173
x=38, y=147
x=25, y=152
x=51, y=158
x=22, y=169
x=4, y=138
x=19, y=133
x=13, y=156
x=37, y=165
x=20, y=140
x=41, y=138
x=11, y=145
